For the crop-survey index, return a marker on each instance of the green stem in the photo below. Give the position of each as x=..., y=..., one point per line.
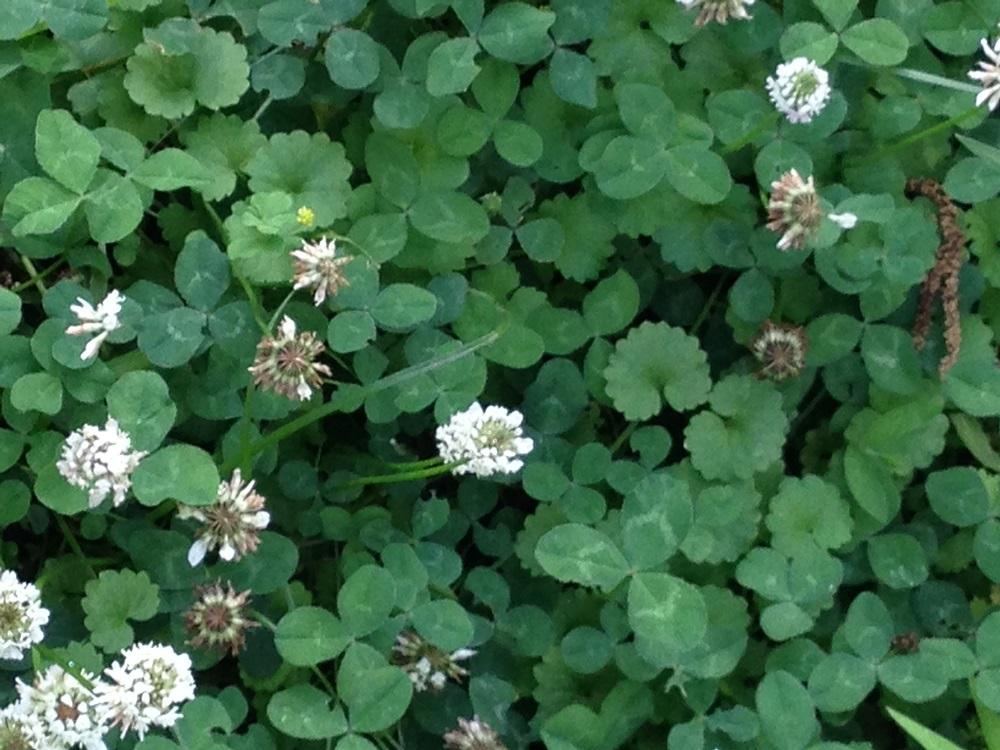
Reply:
x=36, y=277
x=281, y=309
x=709, y=304
x=410, y=465
x=74, y=545
x=47, y=653
x=625, y=434
x=255, y=307
x=935, y=80
x=932, y=130
x=324, y=410
x=400, y=476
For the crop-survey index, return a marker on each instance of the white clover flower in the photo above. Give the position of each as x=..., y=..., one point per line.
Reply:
x=21, y=616
x=781, y=350
x=988, y=75
x=63, y=709
x=473, y=734
x=100, y=320
x=100, y=460
x=484, y=442
x=318, y=267
x=286, y=363
x=21, y=730
x=844, y=221
x=145, y=688
x=799, y=89
x=427, y=666
x=231, y=523
x=719, y=11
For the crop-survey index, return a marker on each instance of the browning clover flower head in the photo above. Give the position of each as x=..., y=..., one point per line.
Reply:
x=20, y=730
x=286, y=364
x=719, y=11
x=100, y=460
x=98, y=321
x=905, y=643
x=318, y=267
x=21, y=617
x=218, y=620
x=231, y=524
x=781, y=349
x=145, y=688
x=473, y=734
x=799, y=89
x=63, y=709
x=794, y=210
x=988, y=75
x=427, y=666
x=484, y=442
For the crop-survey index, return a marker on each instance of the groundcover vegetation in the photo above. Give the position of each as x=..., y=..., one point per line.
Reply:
x=422, y=373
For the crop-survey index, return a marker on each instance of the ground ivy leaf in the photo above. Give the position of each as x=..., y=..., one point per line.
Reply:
x=808, y=510
x=742, y=434
x=657, y=363
x=113, y=599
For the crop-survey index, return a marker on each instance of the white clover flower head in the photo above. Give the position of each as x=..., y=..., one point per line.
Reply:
x=473, y=734
x=719, y=11
x=781, y=349
x=318, y=267
x=145, y=688
x=20, y=730
x=100, y=460
x=799, y=89
x=22, y=616
x=988, y=75
x=286, y=363
x=484, y=442
x=230, y=524
x=794, y=210
x=98, y=321
x=844, y=221
x=427, y=666
x=64, y=709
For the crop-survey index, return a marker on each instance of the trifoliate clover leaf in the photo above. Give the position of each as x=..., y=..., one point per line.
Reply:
x=181, y=64
x=742, y=434
x=726, y=518
x=113, y=599
x=656, y=363
x=310, y=168
x=808, y=510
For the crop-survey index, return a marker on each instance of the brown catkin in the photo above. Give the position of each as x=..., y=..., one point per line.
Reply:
x=943, y=277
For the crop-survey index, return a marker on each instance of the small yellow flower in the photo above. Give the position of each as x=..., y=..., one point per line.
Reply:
x=305, y=216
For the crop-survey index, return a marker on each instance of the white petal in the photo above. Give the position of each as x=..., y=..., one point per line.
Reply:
x=197, y=552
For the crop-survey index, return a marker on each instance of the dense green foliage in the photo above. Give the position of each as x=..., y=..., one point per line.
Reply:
x=555, y=208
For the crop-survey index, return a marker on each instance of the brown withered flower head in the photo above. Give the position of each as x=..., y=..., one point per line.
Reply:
x=231, y=524
x=781, y=350
x=319, y=267
x=473, y=734
x=218, y=619
x=719, y=11
x=286, y=363
x=794, y=210
x=427, y=666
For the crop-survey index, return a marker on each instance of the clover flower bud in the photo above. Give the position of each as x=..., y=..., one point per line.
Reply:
x=719, y=11
x=484, y=442
x=218, y=620
x=286, y=364
x=100, y=320
x=305, y=216
x=100, y=460
x=230, y=524
x=145, y=688
x=799, y=89
x=317, y=267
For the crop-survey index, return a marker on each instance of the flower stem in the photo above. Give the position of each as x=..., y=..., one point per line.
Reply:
x=36, y=277
x=410, y=465
x=929, y=131
x=389, y=381
x=49, y=654
x=74, y=545
x=400, y=476
x=935, y=80
x=281, y=309
x=709, y=304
